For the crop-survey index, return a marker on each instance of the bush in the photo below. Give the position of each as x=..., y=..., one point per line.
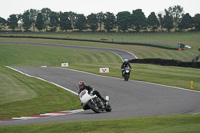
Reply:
x=166, y=62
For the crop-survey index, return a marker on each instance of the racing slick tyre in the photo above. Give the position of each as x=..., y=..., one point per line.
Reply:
x=94, y=107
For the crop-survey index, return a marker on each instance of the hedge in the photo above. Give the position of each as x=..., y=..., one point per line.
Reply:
x=166, y=62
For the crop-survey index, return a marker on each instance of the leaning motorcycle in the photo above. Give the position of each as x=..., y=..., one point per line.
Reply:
x=126, y=73
x=93, y=102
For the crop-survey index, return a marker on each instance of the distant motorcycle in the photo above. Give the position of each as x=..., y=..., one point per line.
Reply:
x=93, y=102
x=126, y=73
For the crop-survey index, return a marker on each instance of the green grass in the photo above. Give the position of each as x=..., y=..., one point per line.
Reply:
x=157, y=124
x=139, y=51
x=24, y=96
x=168, y=40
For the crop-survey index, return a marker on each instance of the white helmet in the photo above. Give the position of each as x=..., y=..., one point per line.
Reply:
x=125, y=60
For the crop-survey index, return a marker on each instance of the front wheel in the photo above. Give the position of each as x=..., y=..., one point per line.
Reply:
x=94, y=107
x=108, y=108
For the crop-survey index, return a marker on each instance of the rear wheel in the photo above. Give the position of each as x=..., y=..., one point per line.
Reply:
x=94, y=107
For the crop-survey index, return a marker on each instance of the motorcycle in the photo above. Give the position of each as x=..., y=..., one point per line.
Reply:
x=126, y=73
x=93, y=102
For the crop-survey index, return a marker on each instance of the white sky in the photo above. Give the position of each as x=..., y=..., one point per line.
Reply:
x=8, y=7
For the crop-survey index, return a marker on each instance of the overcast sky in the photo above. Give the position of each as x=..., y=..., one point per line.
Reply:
x=8, y=7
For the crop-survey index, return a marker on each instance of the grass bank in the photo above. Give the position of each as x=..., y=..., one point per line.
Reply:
x=156, y=124
x=139, y=51
x=24, y=96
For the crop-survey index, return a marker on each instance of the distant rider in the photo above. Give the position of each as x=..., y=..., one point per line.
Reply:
x=124, y=65
x=82, y=87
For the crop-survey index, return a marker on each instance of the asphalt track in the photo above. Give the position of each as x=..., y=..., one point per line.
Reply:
x=128, y=99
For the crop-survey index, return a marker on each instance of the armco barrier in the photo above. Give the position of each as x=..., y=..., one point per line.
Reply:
x=166, y=62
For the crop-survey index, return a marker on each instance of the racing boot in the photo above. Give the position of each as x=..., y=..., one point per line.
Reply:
x=105, y=101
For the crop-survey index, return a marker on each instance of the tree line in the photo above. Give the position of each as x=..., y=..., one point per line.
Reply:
x=45, y=19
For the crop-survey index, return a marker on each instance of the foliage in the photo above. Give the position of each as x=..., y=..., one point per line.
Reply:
x=53, y=21
x=100, y=18
x=109, y=21
x=39, y=24
x=186, y=22
x=139, y=20
x=123, y=20
x=176, y=12
x=168, y=21
x=92, y=21
x=12, y=21
x=65, y=23
x=152, y=21
x=2, y=23
x=80, y=22
x=46, y=16
x=197, y=21
x=26, y=20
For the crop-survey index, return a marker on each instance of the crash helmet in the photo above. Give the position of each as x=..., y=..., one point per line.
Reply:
x=125, y=60
x=81, y=85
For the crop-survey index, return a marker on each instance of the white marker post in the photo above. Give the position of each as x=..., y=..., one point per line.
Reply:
x=104, y=70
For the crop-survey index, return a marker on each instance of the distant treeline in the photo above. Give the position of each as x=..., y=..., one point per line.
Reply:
x=47, y=20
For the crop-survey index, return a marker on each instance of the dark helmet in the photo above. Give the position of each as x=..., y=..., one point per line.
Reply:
x=81, y=85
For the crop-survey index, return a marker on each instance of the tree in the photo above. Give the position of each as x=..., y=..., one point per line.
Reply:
x=39, y=24
x=12, y=21
x=2, y=23
x=161, y=21
x=65, y=23
x=168, y=21
x=139, y=20
x=186, y=22
x=176, y=12
x=109, y=21
x=123, y=20
x=72, y=18
x=53, y=21
x=197, y=21
x=46, y=16
x=100, y=18
x=80, y=22
x=19, y=17
x=92, y=22
x=33, y=16
x=152, y=21
x=26, y=20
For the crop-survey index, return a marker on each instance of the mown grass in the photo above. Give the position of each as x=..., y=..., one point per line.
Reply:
x=139, y=51
x=168, y=40
x=24, y=96
x=156, y=124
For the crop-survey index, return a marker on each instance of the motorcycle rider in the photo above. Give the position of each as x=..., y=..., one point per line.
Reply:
x=124, y=65
x=82, y=87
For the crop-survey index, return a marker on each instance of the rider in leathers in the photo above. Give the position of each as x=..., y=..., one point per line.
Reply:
x=124, y=65
x=82, y=87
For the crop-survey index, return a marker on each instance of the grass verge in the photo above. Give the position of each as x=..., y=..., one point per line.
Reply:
x=156, y=124
x=24, y=96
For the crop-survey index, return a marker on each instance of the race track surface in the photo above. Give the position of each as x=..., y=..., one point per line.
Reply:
x=128, y=99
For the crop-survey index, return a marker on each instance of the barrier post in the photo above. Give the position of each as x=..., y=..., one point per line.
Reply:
x=192, y=84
